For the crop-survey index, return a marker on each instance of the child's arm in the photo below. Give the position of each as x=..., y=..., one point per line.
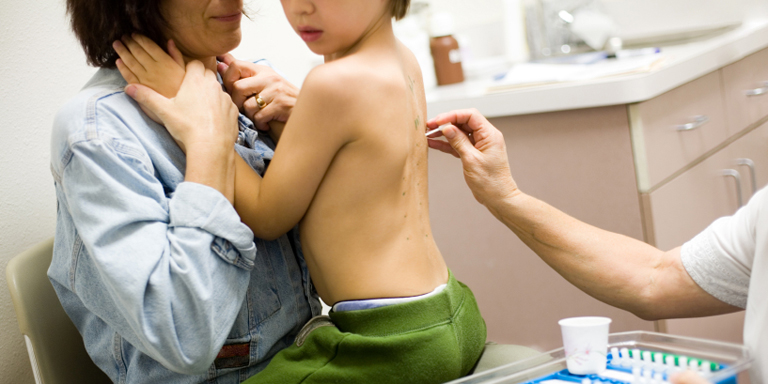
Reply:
x=144, y=62
x=322, y=122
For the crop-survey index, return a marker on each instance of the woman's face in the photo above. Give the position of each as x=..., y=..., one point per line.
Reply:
x=203, y=29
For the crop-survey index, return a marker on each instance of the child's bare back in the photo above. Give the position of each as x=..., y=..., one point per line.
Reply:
x=351, y=167
x=367, y=232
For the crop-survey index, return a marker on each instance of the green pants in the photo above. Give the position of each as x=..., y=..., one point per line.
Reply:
x=430, y=340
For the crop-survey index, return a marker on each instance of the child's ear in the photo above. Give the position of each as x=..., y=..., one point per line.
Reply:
x=175, y=53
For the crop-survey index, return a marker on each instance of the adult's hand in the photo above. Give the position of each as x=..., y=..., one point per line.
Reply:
x=688, y=377
x=482, y=151
x=203, y=120
x=246, y=82
x=201, y=114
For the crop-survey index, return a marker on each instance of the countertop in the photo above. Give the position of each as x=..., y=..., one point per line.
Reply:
x=683, y=63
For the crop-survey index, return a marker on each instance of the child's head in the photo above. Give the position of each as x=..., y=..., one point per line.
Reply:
x=331, y=26
x=399, y=8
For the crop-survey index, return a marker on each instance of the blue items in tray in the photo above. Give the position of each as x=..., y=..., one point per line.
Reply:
x=636, y=366
x=637, y=357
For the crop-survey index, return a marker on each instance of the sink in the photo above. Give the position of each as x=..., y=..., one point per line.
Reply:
x=655, y=22
x=641, y=23
x=678, y=38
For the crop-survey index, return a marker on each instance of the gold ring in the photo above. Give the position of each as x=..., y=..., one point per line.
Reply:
x=260, y=102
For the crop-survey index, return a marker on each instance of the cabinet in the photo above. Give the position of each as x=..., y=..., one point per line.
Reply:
x=713, y=188
x=624, y=168
x=722, y=166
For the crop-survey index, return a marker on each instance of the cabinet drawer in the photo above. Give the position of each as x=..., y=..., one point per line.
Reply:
x=665, y=135
x=746, y=90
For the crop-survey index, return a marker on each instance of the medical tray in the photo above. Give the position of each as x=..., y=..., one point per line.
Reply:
x=550, y=367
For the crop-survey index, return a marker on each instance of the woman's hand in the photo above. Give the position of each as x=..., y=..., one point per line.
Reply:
x=201, y=114
x=688, y=377
x=203, y=119
x=482, y=150
x=247, y=82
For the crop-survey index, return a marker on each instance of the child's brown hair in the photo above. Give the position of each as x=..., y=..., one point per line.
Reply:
x=399, y=8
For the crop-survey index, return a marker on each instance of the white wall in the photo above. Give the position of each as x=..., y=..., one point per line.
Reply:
x=42, y=66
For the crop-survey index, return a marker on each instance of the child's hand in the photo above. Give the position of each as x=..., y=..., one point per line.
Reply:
x=201, y=118
x=144, y=62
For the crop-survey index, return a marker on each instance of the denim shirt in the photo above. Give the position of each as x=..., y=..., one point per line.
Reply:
x=159, y=275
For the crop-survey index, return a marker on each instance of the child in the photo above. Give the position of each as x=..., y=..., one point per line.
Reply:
x=351, y=168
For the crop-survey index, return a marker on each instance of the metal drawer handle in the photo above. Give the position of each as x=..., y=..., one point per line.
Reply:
x=751, y=164
x=698, y=121
x=758, y=91
x=737, y=177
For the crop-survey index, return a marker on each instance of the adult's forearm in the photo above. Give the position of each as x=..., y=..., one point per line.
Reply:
x=212, y=167
x=616, y=269
x=613, y=268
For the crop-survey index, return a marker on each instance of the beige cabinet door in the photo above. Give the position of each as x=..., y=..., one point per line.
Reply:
x=749, y=155
x=685, y=206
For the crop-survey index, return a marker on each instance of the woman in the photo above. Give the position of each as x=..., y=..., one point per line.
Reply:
x=151, y=261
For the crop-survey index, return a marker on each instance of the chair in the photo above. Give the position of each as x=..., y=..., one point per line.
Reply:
x=495, y=355
x=54, y=345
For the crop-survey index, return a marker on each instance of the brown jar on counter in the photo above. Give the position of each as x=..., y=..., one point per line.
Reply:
x=445, y=51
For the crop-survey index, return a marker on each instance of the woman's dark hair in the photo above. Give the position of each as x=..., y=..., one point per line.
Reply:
x=97, y=23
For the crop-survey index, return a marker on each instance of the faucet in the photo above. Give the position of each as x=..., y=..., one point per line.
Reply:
x=553, y=28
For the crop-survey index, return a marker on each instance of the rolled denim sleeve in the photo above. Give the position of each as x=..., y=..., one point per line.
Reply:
x=168, y=271
x=199, y=207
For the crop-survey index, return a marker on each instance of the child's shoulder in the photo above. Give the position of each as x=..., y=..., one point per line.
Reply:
x=356, y=72
x=350, y=80
x=353, y=67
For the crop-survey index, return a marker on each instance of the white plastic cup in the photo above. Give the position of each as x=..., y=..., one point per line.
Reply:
x=585, y=340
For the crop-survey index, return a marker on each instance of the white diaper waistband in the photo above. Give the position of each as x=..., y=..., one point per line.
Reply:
x=353, y=305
